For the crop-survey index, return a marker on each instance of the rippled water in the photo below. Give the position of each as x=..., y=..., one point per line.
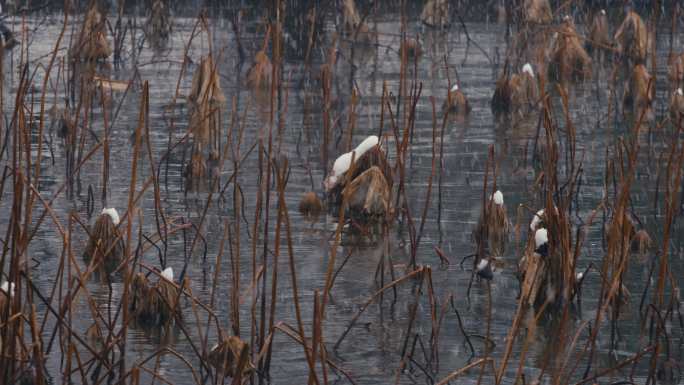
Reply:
x=371, y=352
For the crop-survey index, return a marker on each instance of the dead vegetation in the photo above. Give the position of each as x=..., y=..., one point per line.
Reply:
x=677, y=107
x=92, y=44
x=639, y=94
x=243, y=241
x=355, y=28
x=435, y=13
x=154, y=304
x=675, y=72
x=310, y=206
x=632, y=40
x=367, y=196
x=517, y=94
x=205, y=103
x=230, y=357
x=374, y=158
x=412, y=48
x=537, y=12
x=159, y=24
x=456, y=102
x=599, y=39
x=493, y=227
x=259, y=75
x=105, y=249
x=568, y=59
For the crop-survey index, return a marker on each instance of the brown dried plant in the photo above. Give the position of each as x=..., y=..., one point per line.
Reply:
x=92, y=43
x=105, y=248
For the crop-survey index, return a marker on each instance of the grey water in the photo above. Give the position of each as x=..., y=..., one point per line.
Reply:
x=371, y=353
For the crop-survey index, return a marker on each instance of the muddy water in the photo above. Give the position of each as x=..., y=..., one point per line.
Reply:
x=371, y=352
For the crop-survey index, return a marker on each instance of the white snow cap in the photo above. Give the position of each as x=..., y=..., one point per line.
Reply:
x=340, y=166
x=679, y=92
x=168, y=274
x=603, y=11
x=8, y=288
x=541, y=237
x=536, y=220
x=482, y=264
x=498, y=198
x=528, y=68
x=343, y=162
x=112, y=214
x=366, y=145
x=454, y=88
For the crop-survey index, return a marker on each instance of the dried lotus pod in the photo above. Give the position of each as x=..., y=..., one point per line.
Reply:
x=599, y=38
x=456, y=102
x=495, y=227
x=105, y=248
x=639, y=94
x=310, y=206
x=159, y=24
x=231, y=356
x=537, y=11
x=92, y=43
x=632, y=39
x=435, y=13
x=641, y=244
x=154, y=304
x=568, y=59
x=413, y=49
x=259, y=75
x=368, y=195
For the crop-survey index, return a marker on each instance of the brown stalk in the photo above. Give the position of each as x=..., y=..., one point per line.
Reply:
x=415, y=273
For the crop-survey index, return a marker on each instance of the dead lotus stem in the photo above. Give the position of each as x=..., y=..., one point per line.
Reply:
x=288, y=331
x=217, y=271
x=456, y=373
x=316, y=341
x=336, y=243
x=61, y=321
x=390, y=285
x=414, y=245
x=293, y=273
x=559, y=178
x=144, y=105
x=489, y=327
x=413, y=309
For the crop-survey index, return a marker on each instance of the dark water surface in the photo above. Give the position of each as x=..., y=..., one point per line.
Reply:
x=371, y=352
